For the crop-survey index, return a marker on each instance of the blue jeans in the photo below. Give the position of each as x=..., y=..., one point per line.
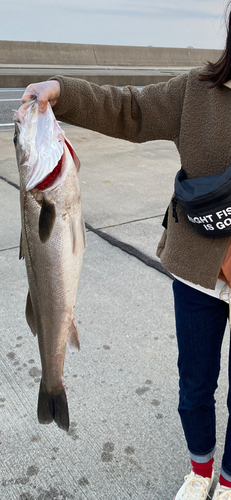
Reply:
x=200, y=325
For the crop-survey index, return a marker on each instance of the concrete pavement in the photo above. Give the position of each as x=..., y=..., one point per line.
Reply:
x=125, y=440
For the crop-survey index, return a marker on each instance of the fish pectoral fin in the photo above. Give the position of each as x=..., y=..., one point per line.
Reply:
x=78, y=237
x=53, y=407
x=84, y=233
x=30, y=314
x=73, y=230
x=74, y=335
x=21, y=252
x=46, y=220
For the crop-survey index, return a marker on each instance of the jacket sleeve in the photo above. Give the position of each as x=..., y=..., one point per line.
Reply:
x=154, y=113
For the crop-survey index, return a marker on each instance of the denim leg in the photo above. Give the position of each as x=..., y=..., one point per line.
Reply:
x=226, y=462
x=200, y=325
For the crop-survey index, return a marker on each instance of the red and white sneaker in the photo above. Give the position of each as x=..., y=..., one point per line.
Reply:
x=195, y=487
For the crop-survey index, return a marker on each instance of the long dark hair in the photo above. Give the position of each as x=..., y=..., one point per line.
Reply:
x=220, y=72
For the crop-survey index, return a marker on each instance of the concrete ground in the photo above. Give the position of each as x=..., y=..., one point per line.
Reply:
x=125, y=439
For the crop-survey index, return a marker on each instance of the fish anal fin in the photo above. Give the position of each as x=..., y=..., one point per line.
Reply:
x=21, y=252
x=53, y=407
x=74, y=335
x=46, y=220
x=30, y=314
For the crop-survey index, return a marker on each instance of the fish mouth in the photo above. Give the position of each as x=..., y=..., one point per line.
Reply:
x=50, y=179
x=21, y=113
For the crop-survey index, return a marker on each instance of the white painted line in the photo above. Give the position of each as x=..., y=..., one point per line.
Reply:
x=12, y=124
x=12, y=90
x=4, y=100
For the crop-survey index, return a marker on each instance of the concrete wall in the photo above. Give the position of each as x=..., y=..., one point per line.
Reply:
x=45, y=53
x=152, y=56
x=103, y=55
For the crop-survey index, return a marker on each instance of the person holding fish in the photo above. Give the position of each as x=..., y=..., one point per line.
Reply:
x=193, y=111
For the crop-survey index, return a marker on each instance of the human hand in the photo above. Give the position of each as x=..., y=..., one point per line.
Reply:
x=44, y=91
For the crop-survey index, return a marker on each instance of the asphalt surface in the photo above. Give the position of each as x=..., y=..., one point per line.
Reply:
x=10, y=100
x=125, y=439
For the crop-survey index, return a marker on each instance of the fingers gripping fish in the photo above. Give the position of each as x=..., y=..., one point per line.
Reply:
x=52, y=243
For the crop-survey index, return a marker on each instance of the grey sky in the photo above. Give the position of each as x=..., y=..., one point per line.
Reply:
x=197, y=23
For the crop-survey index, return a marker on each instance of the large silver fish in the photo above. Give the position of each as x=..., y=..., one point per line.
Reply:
x=52, y=243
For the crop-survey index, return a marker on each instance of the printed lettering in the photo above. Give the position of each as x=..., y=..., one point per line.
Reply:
x=201, y=220
x=223, y=225
x=220, y=225
x=223, y=213
x=209, y=227
x=206, y=218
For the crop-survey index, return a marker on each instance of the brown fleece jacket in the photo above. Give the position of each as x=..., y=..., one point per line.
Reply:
x=189, y=113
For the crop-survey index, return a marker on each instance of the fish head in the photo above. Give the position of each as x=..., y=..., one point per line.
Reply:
x=20, y=153
x=25, y=119
x=39, y=143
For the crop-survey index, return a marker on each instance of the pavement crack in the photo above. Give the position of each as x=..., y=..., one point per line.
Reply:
x=130, y=222
x=148, y=261
x=9, y=182
x=10, y=248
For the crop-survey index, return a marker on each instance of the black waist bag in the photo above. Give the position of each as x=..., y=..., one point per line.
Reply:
x=206, y=201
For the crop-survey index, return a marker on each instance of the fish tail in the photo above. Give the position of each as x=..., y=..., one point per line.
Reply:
x=53, y=407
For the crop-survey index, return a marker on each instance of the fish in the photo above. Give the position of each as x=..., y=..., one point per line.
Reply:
x=52, y=243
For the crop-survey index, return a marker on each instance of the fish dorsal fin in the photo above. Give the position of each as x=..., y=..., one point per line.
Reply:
x=74, y=335
x=30, y=314
x=46, y=220
x=21, y=252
